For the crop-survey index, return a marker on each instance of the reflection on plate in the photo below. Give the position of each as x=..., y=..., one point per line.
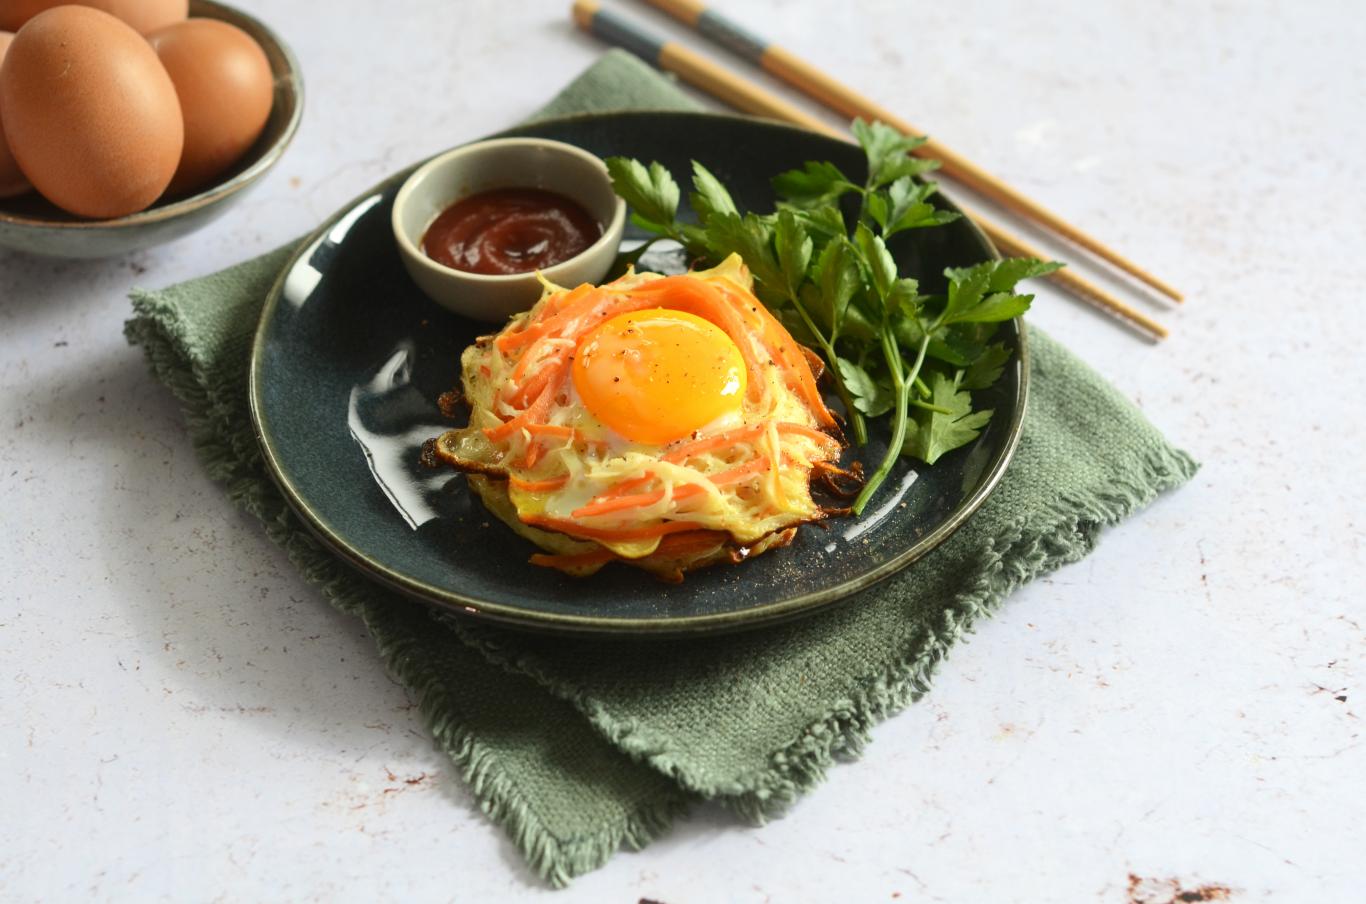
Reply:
x=350, y=358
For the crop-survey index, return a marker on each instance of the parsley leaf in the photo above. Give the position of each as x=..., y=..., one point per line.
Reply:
x=652, y=192
x=711, y=196
x=823, y=222
x=982, y=293
x=751, y=237
x=902, y=167
x=813, y=184
x=905, y=299
x=837, y=278
x=794, y=250
x=934, y=433
x=886, y=149
x=1005, y=274
x=960, y=344
x=995, y=307
x=987, y=369
x=870, y=396
x=878, y=260
x=878, y=207
x=966, y=287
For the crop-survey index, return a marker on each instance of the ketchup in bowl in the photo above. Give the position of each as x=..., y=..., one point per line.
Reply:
x=509, y=230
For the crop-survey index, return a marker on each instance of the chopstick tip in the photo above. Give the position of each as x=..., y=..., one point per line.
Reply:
x=583, y=12
x=1162, y=287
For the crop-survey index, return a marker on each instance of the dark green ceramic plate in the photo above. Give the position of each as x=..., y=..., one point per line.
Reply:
x=350, y=358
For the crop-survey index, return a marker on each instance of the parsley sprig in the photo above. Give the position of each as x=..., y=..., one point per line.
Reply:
x=890, y=348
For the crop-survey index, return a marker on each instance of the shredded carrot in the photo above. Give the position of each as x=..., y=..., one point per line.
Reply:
x=740, y=472
x=785, y=350
x=819, y=436
x=556, y=430
x=618, y=498
x=601, y=506
x=742, y=435
x=539, y=432
x=565, y=299
x=606, y=504
x=531, y=415
x=532, y=355
x=687, y=491
x=717, y=441
x=531, y=388
x=576, y=315
x=538, y=486
x=627, y=486
x=535, y=412
x=519, y=371
x=775, y=450
x=516, y=339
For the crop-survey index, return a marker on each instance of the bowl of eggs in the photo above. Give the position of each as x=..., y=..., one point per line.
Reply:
x=128, y=123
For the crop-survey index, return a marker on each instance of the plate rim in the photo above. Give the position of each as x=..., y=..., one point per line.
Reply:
x=588, y=624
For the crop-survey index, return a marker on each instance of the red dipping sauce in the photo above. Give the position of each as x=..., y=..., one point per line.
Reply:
x=509, y=230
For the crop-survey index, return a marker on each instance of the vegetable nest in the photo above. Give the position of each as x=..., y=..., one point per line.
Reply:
x=665, y=422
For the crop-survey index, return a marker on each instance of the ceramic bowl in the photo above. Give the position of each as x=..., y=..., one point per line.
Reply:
x=30, y=224
x=504, y=163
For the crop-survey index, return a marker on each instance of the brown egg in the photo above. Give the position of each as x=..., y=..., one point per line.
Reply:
x=90, y=113
x=12, y=181
x=143, y=15
x=223, y=80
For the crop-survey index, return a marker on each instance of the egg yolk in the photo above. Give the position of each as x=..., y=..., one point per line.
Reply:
x=656, y=376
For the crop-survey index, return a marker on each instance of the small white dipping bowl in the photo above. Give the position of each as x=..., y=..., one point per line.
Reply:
x=505, y=163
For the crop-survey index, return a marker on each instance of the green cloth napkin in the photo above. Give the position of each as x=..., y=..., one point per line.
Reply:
x=577, y=747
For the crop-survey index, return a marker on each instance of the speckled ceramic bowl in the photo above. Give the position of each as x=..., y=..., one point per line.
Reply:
x=504, y=163
x=30, y=224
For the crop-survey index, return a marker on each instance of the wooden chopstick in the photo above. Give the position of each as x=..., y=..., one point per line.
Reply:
x=847, y=102
x=732, y=89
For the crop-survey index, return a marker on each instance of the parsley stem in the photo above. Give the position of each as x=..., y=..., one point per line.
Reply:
x=855, y=416
x=901, y=384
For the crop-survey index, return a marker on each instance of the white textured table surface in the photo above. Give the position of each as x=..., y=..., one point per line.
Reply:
x=183, y=718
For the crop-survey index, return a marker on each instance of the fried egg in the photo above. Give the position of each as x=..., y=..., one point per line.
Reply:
x=667, y=422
